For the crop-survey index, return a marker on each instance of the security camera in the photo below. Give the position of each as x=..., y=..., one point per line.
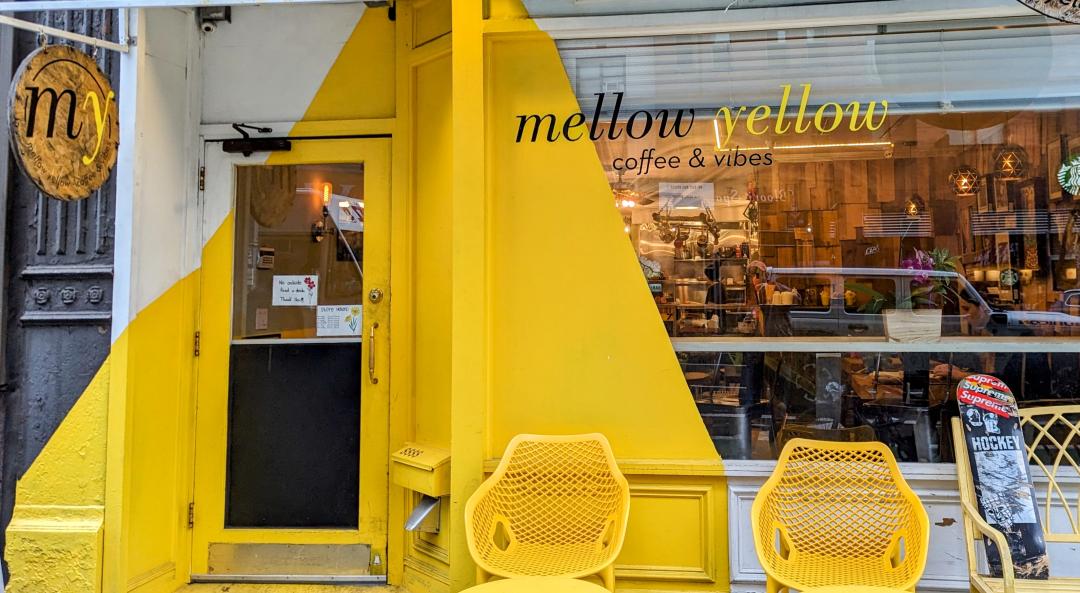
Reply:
x=210, y=16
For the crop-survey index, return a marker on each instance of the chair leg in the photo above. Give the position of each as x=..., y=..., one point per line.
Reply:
x=482, y=576
x=773, y=586
x=608, y=577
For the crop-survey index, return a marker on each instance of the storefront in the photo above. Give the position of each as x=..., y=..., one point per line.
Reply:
x=700, y=230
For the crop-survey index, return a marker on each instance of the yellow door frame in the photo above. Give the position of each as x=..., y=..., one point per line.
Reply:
x=215, y=327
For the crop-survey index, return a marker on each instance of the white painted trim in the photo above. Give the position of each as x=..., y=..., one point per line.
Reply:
x=140, y=279
x=675, y=22
x=124, y=223
x=107, y=4
x=763, y=468
x=194, y=152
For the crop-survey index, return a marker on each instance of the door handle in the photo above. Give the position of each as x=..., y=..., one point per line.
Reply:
x=371, y=354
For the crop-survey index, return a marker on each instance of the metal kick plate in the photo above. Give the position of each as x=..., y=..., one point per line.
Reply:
x=289, y=559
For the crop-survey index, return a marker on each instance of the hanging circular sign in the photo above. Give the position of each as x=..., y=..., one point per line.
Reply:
x=1066, y=11
x=1069, y=175
x=63, y=120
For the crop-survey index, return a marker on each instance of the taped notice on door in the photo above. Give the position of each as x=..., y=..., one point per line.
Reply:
x=295, y=291
x=338, y=320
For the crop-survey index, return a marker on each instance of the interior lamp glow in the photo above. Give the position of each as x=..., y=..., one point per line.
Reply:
x=914, y=205
x=1009, y=162
x=964, y=180
x=327, y=191
x=977, y=275
x=993, y=275
x=1070, y=273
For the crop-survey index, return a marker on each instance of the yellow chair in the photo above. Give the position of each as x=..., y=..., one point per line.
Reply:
x=855, y=434
x=1053, y=439
x=839, y=514
x=555, y=506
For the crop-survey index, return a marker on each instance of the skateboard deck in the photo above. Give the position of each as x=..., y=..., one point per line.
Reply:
x=998, y=459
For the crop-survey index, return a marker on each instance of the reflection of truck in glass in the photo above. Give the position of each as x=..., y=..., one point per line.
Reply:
x=857, y=298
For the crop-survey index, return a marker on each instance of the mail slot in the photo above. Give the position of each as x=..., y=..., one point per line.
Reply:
x=422, y=469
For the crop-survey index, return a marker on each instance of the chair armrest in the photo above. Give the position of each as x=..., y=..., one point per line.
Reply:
x=1007, y=572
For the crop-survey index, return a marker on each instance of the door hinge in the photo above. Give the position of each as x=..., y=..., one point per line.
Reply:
x=202, y=178
x=191, y=515
x=197, y=340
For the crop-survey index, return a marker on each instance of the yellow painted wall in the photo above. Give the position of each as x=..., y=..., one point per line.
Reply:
x=568, y=339
x=575, y=340
x=158, y=392
x=62, y=538
x=422, y=282
x=432, y=230
x=54, y=540
x=360, y=84
x=577, y=343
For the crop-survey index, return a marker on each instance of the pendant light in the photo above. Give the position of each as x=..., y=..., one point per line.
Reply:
x=1010, y=162
x=964, y=181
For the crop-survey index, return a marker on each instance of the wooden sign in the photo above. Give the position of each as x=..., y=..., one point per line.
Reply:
x=63, y=119
x=1065, y=11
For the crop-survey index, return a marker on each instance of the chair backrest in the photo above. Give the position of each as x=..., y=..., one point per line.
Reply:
x=1052, y=435
x=549, y=492
x=842, y=501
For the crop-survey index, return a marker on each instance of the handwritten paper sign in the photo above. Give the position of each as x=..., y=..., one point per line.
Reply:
x=295, y=291
x=338, y=320
x=686, y=196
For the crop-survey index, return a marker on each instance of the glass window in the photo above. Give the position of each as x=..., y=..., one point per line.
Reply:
x=837, y=225
x=299, y=245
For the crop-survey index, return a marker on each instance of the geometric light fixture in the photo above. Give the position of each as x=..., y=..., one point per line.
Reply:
x=624, y=194
x=1010, y=161
x=915, y=205
x=964, y=180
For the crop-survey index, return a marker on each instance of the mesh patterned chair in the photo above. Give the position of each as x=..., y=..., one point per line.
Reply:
x=836, y=514
x=555, y=506
x=1053, y=452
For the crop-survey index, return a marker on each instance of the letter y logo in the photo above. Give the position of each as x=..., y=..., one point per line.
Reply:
x=101, y=118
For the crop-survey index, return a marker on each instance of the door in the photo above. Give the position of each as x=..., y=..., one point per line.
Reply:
x=292, y=418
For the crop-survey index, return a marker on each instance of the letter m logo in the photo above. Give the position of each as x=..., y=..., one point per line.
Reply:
x=55, y=98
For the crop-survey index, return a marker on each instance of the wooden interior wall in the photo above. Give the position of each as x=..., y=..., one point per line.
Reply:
x=821, y=219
